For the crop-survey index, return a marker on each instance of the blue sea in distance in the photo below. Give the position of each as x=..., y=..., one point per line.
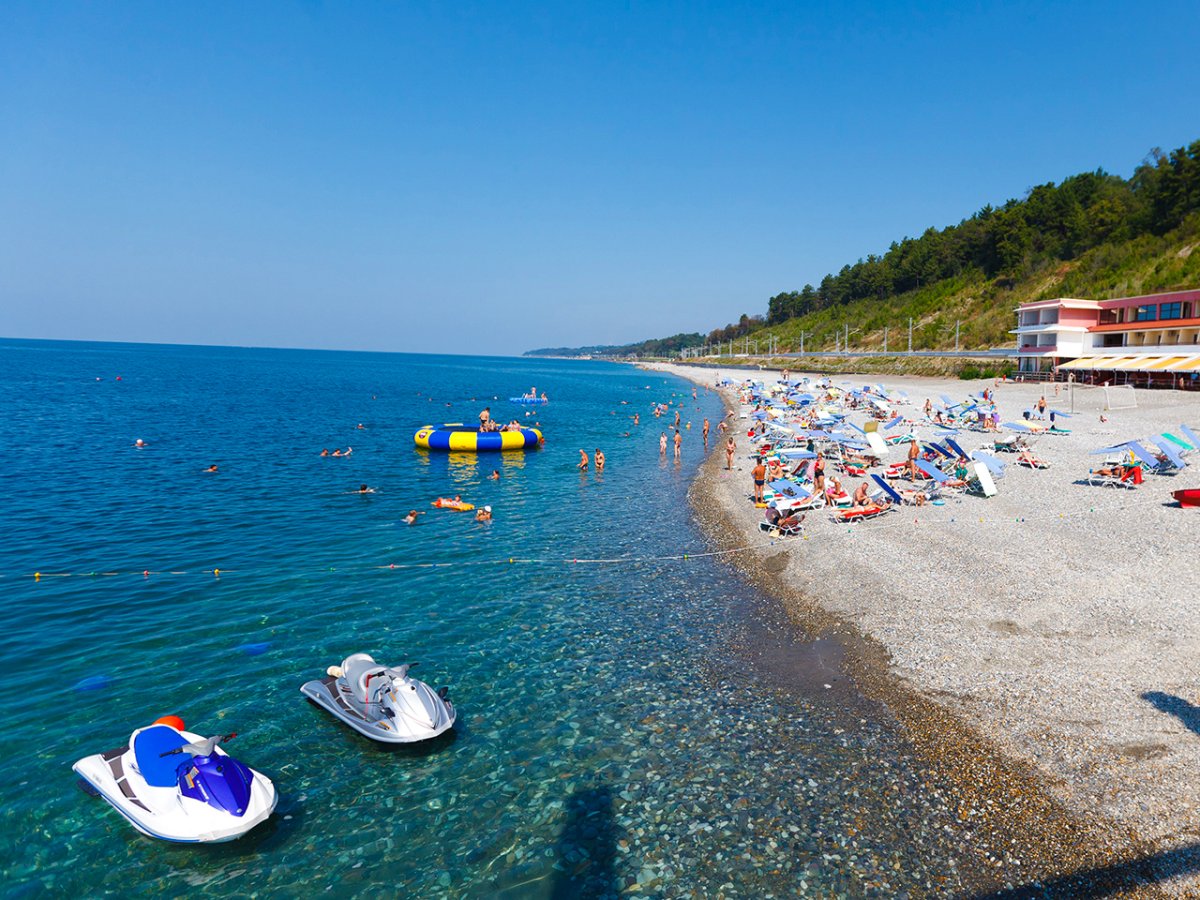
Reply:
x=618, y=726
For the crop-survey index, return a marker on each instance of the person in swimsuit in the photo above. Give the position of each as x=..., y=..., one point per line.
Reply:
x=914, y=451
x=678, y=442
x=495, y=476
x=819, y=474
x=599, y=460
x=211, y=469
x=485, y=419
x=705, y=432
x=759, y=474
x=583, y=461
x=662, y=444
x=862, y=496
x=730, y=448
x=411, y=518
x=484, y=514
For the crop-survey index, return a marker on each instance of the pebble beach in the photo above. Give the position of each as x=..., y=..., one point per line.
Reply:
x=1053, y=627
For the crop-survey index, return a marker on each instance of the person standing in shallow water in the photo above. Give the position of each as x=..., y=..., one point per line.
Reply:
x=583, y=461
x=678, y=442
x=706, y=427
x=599, y=457
x=662, y=444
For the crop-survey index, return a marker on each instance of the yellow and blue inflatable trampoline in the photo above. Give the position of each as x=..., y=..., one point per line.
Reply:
x=464, y=437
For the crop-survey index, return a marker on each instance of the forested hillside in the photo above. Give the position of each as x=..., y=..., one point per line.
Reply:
x=1093, y=236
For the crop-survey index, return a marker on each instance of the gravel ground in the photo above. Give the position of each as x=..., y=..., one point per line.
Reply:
x=1058, y=620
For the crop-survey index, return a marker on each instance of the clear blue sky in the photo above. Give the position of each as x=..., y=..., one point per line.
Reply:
x=495, y=177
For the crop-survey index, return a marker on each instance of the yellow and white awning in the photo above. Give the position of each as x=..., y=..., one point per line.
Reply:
x=1084, y=362
x=1147, y=363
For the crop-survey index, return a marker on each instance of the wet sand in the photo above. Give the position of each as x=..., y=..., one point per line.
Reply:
x=1043, y=659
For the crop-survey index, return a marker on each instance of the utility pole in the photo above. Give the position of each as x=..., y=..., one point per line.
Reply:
x=885, y=340
x=910, y=334
x=957, y=322
x=846, y=342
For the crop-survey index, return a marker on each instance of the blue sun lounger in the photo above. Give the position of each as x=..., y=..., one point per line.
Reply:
x=953, y=445
x=1019, y=428
x=939, y=477
x=1191, y=436
x=892, y=494
x=788, y=489
x=1174, y=464
x=939, y=450
x=993, y=465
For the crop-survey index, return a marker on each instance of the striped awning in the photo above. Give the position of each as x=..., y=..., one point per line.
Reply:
x=1113, y=362
x=1167, y=362
x=1191, y=364
x=1084, y=362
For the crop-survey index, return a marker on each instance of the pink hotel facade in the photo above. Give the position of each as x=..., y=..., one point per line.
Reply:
x=1152, y=339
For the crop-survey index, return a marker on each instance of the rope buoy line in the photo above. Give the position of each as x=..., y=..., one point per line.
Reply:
x=965, y=520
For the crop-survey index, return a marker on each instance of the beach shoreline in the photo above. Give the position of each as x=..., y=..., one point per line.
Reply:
x=1047, y=676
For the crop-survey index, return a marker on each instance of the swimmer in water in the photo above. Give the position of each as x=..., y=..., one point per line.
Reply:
x=599, y=460
x=583, y=461
x=363, y=489
x=495, y=476
x=139, y=443
x=360, y=426
x=325, y=452
x=211, y=469
x=411, y=518
x=484, y=514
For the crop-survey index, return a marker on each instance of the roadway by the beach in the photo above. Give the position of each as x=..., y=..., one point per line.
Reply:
x=1057, y=620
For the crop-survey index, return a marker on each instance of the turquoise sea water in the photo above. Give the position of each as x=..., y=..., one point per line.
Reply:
x=617, y=724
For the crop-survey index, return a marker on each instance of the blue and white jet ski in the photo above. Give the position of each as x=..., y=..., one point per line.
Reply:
x=382, y=703
x=177, y=786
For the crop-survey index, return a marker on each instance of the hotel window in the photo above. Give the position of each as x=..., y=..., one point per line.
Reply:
x=1145, y=314
x=1170, y=311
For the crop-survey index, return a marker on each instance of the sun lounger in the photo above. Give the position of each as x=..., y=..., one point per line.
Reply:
x=1183, y=447
x=994, y=466
x=981, y=482
x=875, y=442
x=789, y=495
x=1029, y=461
x=1190, y=436
x=1173, y=462
x=900, y=498
x=940, y=478
x=771, y=525
x=1131, y=479
x=860, y=513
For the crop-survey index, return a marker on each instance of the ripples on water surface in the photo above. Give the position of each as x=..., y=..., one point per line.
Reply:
x=610, y=732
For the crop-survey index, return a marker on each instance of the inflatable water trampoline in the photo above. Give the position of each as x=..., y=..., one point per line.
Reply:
x=465, y=437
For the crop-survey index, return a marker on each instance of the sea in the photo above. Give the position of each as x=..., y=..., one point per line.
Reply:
x=621, y=729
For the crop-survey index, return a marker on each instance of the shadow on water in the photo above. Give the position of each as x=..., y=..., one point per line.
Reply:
x=1187, y=713
x=1109, y=881
x=587, y=847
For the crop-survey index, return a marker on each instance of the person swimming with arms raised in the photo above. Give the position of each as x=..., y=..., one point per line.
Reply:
x=411, y=518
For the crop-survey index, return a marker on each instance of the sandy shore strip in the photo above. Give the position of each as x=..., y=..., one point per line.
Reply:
x=1058, y=622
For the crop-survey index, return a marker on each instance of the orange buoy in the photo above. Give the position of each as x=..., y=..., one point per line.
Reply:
x=174, y=721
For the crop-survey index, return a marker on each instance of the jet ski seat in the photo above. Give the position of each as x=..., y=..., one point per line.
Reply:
x=357, y=668
x=148, y=747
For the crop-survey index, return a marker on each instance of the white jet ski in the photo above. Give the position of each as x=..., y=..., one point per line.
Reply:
x=177, y=786
x=380, y=702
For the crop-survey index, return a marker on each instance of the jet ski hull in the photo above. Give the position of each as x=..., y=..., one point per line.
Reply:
x=332, y=695
x=163, y=813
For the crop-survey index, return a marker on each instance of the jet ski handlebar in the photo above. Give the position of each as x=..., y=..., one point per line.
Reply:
x=204, y=747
